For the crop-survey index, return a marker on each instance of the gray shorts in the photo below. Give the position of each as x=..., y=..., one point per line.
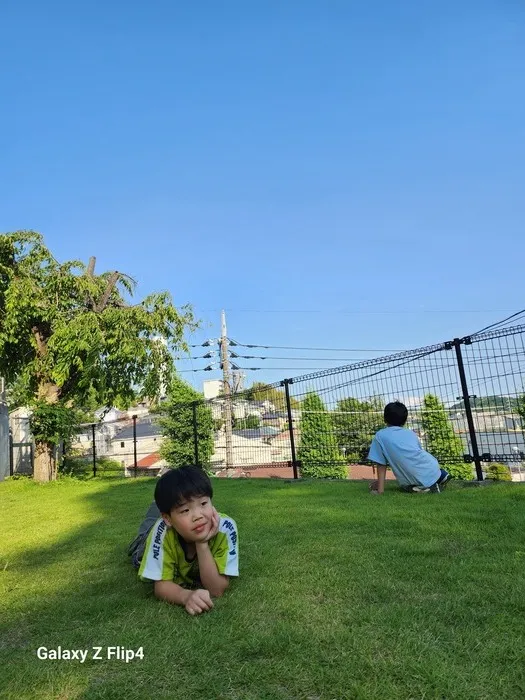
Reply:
x=137, y=547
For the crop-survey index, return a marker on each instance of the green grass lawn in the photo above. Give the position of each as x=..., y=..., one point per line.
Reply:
x=341, y=595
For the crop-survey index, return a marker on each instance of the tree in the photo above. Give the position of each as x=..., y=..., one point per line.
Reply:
x=489, y=403
x=318, y=451
x=441, y=440
x=68, y=337
x=248, y=423
x=178, y=426
x=264, y=392
x=355, y=423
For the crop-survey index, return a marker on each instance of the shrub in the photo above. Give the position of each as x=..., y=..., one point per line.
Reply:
x=498, y=472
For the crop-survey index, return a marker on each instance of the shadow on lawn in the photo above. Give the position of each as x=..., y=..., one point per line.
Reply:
x=97, y=599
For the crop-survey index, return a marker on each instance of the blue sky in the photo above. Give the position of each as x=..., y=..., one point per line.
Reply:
x=334, y=174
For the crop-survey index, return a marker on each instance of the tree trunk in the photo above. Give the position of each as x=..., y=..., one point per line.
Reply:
x=45, y=463
x=45, y=468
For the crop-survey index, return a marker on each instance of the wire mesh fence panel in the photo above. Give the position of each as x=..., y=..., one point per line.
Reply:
x=22, y=458
x=339, y=411
x=21, y=446
x=465, y=400
x=258, y=441
x=124, y=447
x=495, y=369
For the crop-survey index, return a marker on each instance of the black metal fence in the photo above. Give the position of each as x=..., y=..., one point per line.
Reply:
x=464, y=397
x=128, y=446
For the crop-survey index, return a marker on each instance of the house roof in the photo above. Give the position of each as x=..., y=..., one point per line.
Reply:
x=257, y=433
x=144, y=430
x=149, y=461
x=270, y=430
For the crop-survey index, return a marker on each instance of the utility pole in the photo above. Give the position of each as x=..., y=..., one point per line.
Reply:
x=227, y=389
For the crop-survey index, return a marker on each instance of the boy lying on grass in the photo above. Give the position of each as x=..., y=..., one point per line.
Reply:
x=184, y=546
x=416, y=470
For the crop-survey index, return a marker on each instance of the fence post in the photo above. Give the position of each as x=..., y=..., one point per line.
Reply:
x=466, y=402
x=286, y=383
x=195, y=433
x=11, y=454
x=94, y=449
x=135, y=444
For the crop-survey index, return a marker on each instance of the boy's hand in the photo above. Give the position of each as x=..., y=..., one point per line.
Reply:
x=214, y=526
x=198, y=601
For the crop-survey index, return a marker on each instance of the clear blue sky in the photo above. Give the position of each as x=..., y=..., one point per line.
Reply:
x=336, y=174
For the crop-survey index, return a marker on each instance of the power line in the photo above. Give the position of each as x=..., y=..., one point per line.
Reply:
x=256, y=369
x=249, y=369
x=213, y=353
x=354, y=311
x=498, y=324
x=312, y=359
x=301, y=359
x=290, y=347
x=273, y=357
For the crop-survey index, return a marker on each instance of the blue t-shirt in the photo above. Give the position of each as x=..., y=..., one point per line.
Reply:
x=400, y=449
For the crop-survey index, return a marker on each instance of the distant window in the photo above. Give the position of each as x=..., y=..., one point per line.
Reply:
x=122, y=444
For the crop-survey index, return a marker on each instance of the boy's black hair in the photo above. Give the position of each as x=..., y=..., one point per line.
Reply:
x=179, y=485
x=396, y=413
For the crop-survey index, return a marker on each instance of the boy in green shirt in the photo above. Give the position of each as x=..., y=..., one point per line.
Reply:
x=184, y=546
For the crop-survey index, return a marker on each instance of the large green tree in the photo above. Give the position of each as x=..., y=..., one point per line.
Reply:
x=248, y=423
x=186, y=417
x=441, y=440
x=264, y=392
x=355, y=424
x=70, y=337
x=318, y=451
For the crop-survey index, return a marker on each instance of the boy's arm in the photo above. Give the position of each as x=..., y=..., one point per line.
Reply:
x=381, y=475
x=377, y=456
x=195, y=602
x=211, y=579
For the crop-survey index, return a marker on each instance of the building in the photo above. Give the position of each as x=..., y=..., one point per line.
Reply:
x=486, y=421
x=151, y=465
x=253, y=448
x=109, y=415
x=278, y=419
x=4, y=434
x=212, y=388
x=149, y=439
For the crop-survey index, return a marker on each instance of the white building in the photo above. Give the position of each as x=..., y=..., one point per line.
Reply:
x=149, y=440
x=252, y=448
x=212, y=388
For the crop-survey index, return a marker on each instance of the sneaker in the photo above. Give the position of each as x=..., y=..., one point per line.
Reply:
x=421, y=489
x=443, y=481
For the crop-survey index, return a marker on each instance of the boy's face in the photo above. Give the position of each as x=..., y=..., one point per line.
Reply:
x=191, y=519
